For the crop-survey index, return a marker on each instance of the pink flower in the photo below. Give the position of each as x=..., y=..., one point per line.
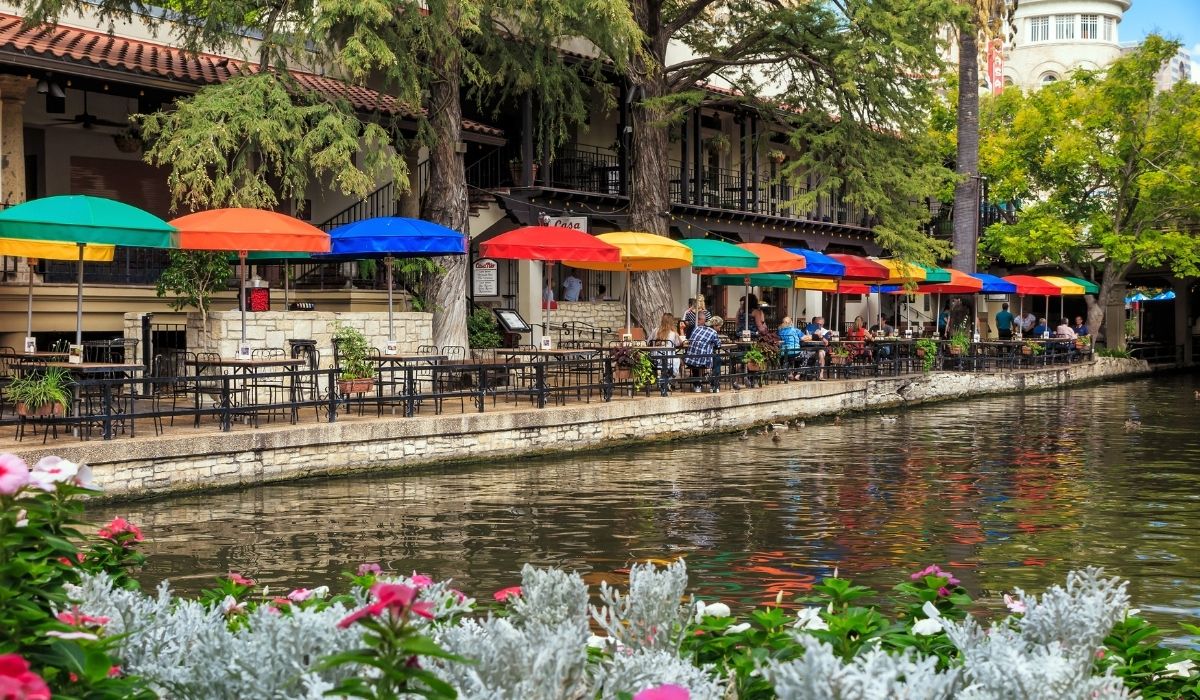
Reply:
x=505, y=593
x=420, y=580
x=458, y=595
x=120, y=526
x=944, y=592
x=50, y=471
x=231, y=606
x=664, y=692
x=935, y=570
x=240, y=580
x=14, y=474
x=1014, y=605
x=299, y=595
x=394, y=598
x=369, y=568
x=18, y=682
x=77, y=618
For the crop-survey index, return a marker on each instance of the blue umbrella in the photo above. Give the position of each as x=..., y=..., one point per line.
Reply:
x=389, y=237
x=993, y=284
x=1163, y=296
x=1136, y=297
x=819, y=264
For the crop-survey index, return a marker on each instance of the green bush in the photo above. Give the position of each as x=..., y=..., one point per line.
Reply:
x=482, y=330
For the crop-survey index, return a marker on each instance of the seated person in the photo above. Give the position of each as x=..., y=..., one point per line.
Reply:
x=813, y=349
x=1080, y=326
x=1064, y=330
x=789, y=342
x=861, y=336
x=817, y=328
x=701, y=355
x=1041, y=329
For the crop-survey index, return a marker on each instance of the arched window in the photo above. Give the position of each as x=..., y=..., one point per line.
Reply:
x=1008, y=81
x=1048, y=78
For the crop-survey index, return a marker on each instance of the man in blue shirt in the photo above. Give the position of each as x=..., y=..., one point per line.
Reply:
x=1080, y=328
x=817, y=327
x=1041, y=329
x=701, y=356
x=1004, y=322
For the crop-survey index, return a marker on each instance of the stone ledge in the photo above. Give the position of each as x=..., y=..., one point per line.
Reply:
x=152, y=465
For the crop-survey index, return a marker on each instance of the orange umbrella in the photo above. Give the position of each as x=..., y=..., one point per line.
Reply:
x=771, y=258
x=243, y=230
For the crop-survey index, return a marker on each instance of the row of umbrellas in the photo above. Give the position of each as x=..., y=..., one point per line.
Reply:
x=85, y=228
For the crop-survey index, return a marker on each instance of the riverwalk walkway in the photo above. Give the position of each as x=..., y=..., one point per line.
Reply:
x=186, y=457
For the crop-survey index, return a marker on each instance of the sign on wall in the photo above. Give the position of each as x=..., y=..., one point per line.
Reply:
x=995, y=66
x=579, y=223
x=485, y=278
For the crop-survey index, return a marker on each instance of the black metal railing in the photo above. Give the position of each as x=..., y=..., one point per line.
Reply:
x=381, y=202
x=128, y=266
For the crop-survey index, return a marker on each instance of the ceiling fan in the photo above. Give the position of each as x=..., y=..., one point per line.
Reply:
x=87, y=120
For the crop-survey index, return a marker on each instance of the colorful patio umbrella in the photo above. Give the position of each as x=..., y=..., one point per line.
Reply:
x=391, y=237
x=960, y=283
x=640, y=252
x=860, y=269
x=1136, y=297
x=817, y=284
x=819, y=264
x=1028, y=284
x=770, y=259
x=83, y=220
x=710, y=252
x=1067, y=287
x=50, y=250
x=993, y=284
x=244, y=230
x=549, y=244
x=1163, y=296
x=1088, y=287
x=774, y=280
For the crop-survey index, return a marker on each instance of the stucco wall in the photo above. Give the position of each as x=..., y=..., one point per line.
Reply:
x=155, y=465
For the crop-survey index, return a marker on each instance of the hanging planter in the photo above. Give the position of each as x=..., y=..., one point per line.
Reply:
x=128, y=141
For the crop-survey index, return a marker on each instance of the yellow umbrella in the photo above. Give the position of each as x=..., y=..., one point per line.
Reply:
x=51, y=250
x=1067, y=287
x=640, y=252
x=816, y=284
x=900, y=272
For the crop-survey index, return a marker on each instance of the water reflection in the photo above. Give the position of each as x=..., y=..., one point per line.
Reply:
x=1011, y=491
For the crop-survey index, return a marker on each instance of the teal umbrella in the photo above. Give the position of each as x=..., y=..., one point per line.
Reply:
x=709, y=252
x=85, y=220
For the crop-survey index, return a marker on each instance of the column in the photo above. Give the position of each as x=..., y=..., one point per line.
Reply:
x=529, y=296
x=1183, y=317
x=13, y=90
x=410, y=202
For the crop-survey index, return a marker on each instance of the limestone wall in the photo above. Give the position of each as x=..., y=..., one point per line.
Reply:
x=606, y=314
x=154, y=465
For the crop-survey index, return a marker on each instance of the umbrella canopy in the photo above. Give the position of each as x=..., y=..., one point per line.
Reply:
x=770, y=259
x=1027, y=284
x=900, y=272
x=817, y=284
x=819, y=264
x=238, y=229
x=639, y=252
x=775, y=280
x=1136, y=297
x=960, y=283
x=51, y=250
x=1163, y=296
x=709, y=252
x=549, y=243
x=1064, y=285
x=1088, y=287
x=994, y=285
x=860, y=269
x=86, y=219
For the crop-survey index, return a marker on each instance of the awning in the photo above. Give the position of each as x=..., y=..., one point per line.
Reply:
x=1036, y=286
x=710, y=252
x=770, y=259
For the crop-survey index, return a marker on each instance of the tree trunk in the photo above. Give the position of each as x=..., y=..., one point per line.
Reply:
x=1110, y=330
x=966, y=192
x=446, y=198
x=649, y=198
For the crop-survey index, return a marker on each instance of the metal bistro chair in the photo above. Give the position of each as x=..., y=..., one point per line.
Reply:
x=276, y=387
x=170, y=383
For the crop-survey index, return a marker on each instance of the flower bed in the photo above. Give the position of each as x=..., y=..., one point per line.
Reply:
x=73, y=621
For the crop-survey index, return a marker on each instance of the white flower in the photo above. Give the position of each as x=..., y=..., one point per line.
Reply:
x=738, y=628
x=1015, y=605
x=83, y=477
x=1183, y=669
x=1133, y=612
x=320, y=591
x=22, y=518
x=712, y=610
x=810, y=619
x=72, y=635
x=231, y=606
x=932, y=624
x=595, y=641
x=50, y=471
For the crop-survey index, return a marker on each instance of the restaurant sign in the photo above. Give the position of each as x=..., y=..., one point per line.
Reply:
x=485, y=278
x=579, y=223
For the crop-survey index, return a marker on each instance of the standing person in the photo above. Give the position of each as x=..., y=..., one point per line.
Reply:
x=1004, y=322
x=701, y=357
x=668, y=341
x=1026, y=321
x=942, y=319
x=1080, y=326
x=547, y=293
x=572, y=286
x=696, y=311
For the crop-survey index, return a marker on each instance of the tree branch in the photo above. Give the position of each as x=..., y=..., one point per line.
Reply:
x=685, y=16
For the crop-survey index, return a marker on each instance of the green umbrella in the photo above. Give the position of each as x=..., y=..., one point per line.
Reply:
x=759, y=280
x=1088, y=287
x=84, y=220
x=708, y=252
x=935, y=275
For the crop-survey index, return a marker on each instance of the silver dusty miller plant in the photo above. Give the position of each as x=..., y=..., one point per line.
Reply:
x=821, y=675
x=634, y=671
x=651, y=615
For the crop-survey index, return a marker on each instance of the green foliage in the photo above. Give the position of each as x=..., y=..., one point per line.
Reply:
x=194, y=277
x=1131, y=328
x=930, y=348
x=754, y=355
x=769, y=346
x=259, y=138
x=483, y=330
x=1035, y=347
x=1106, y=165
x=36, y=389
x=1113, y=352
x=353, y=351
x=961, y=341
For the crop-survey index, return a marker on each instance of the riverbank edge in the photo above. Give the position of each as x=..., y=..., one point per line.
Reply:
x=152, y=466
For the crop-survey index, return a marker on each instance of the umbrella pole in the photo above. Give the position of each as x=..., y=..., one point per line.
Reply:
x=29, y=312
x=746, y=304
x=245, y=300
x=287, y=273
x=628, y=296
x=388, y=261
x=79, y=298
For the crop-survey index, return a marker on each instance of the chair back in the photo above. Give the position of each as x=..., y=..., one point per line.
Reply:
x=427, y=350
x=267, y=353
x=454, y=352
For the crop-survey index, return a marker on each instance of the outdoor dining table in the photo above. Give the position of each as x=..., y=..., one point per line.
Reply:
x=95, y=370
x=246, y=371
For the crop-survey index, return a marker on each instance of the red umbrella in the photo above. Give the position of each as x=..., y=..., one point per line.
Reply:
x=1028, y=284
x=549, y=244
x=859, y=269
x=242, y=230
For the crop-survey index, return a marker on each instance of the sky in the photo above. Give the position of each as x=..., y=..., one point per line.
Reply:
x=1174, y=19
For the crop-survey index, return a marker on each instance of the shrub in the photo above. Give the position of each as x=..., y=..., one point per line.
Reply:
x=482, y=330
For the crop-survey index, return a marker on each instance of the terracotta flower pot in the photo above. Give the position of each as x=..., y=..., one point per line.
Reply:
x=622, y=374
x=355, y=386
x=955, y=350
x=44, y=411
x=838, y=359
x=920, y=352
x=1026, y=350
x=755, y=366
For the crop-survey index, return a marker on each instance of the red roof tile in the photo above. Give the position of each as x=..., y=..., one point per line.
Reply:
x=160, y=61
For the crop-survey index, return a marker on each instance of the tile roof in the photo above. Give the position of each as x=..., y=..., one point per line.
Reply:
x=165, y=62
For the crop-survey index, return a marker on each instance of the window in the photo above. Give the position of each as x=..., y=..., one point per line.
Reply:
x=1064, y=27
x=1039, y=29
x=1088, y=25
x=1108, y=29
x=1048, y=78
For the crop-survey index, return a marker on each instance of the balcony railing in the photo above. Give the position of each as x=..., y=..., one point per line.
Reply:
x=128, y=266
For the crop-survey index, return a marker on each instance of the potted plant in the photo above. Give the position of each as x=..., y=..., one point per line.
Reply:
x=1083, y=342
x=357, y=373
x=1032, y=347
x=755, y=359
x=839, y=355
x=514, y=170
x=959, y=343
x=630, y=362
x=927, y=351
x=764, y=353
x=41, y=394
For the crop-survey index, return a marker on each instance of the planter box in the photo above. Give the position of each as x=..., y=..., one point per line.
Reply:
x=955, y=350
x=46, y=410
x=622, y=374
x=355, y=386
x=1026, y=350
x=839, y=359
x=755, y=367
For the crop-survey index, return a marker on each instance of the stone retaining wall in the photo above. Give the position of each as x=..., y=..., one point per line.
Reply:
x=156, y=465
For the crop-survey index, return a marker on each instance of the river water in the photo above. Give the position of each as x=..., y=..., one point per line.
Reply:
x=1011, y=491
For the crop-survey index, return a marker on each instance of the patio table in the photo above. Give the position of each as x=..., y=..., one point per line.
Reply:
x=95, y=370
x=246, y=371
